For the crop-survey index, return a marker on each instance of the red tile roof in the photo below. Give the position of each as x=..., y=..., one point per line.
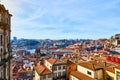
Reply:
x=51, y=60
x=90, y=65
x=42, y=69
x=55, y=61
x=81, y=76
x=111, y=69
x=20, y=52
x=21, y=69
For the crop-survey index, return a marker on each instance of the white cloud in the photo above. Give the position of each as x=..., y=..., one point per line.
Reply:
x=56, y=17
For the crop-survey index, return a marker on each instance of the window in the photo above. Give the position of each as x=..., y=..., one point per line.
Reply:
x=118, y=75
x=59, y=67
x=1, y=52
x=49, y=76
x=55, y=68
x=1, y=40
x=64, y=67
x=118, y=41
x=109, y=78
x=55, y=75
x=1, y=74
x=0, y=17
x=8, y=20
x=50, y=67
x=59, y=74
x=44, y=77
x=88, y=72
x=64, y=73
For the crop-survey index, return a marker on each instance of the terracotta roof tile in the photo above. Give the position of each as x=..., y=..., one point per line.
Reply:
x=21, y=69
x=46, y=70
x=20, y=52
x=70, y=63
x=90, y=65
x=55, y=61
x=118, y=67
x=81, y=76
x=42, y=70
x=51, y=60
x=111, y=69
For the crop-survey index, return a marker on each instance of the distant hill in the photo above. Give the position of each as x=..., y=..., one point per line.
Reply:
x=35, y=43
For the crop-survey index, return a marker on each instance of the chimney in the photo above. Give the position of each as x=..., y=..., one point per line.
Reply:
x=42, y=62
x=93, y=66
x=113, y=68
x=105, y=64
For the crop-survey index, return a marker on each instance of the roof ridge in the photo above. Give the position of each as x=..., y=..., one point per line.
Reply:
x=55, y=61
x=43, y=68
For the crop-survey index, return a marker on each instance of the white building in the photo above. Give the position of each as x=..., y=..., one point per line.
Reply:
x=55, y=69
x=115, y=40
x=87, y=71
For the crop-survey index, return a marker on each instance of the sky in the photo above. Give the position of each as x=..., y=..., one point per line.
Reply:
x=64, y=19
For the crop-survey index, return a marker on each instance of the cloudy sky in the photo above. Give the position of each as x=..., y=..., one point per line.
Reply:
x=68, y=19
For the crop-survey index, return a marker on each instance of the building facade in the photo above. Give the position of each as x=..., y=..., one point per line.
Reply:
x=113, y=73
x=87, y=71
x=115, y=40
x=52, y=69
x=71, y=66
x=57, y=67
x=5, y=48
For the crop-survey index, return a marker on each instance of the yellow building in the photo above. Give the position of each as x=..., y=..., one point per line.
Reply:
x=113, y=73
x=42, y=72
x=117, y=73
x=87, y=71
x=76, y=75
x=96, y=70
x=51, y=69
x=5, y=49
x=70, y=67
